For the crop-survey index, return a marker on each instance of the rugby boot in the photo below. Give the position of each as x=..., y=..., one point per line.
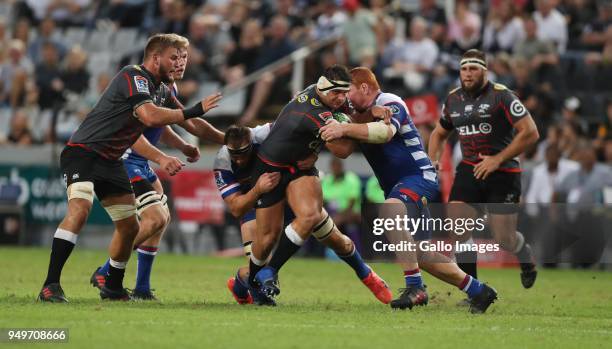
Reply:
x=97, y=279
x=239, y=290
x=481, y=302
x=378, y=287
x=52, y=293
x=410, y=297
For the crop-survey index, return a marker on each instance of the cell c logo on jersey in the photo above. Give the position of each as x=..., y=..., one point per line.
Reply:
x=517, y=109
x=485, y=128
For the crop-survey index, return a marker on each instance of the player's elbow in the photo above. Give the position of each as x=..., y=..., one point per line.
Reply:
x=148, y=119
x=236, y=212
x=532, y=135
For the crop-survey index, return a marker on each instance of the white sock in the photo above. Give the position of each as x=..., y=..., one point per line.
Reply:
x=293, y=236
x=66, y=235
x=118, y=265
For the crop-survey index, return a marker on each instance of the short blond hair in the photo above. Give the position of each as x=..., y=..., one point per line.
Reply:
x=159, y=42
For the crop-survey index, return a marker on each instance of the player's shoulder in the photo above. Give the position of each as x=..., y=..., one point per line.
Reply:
x=133, y=69
x=454, y=92
x=260, y=132
x=392, y=100
x=502, y=92
x=223, y=160
x=307, y=99
x=387, y=98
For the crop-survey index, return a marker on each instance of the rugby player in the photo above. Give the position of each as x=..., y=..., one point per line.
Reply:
x=233, y=167
x=295, y=136
x=494, y=128
x=91, y=161
x=151, y=204
x=396, y=154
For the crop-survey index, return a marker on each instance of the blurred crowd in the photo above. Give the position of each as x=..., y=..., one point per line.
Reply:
x=57, y=56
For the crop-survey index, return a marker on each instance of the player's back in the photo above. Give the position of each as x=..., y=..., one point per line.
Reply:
x=404, y=155
x=295, y=134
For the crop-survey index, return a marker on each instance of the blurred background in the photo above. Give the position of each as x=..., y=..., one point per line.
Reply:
x=57, y=56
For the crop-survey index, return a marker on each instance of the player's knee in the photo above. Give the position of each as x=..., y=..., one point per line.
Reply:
x=158, y=223
x=507, y=242
x=324, y=228
x=129, y=230
x=309, y=220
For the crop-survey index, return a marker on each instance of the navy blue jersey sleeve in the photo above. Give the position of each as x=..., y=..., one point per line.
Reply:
x=226, y=183
x=399, y=114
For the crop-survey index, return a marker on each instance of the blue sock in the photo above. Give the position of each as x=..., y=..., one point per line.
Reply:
x=146, y=255
x=471, y=286
x=240, y=287
x=354, y=260
x=413, y=278
x=104, y=269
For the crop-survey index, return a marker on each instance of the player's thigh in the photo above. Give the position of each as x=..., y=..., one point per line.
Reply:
x=305, y=197
x=503, y=193
x=76, y=165
x=466, y=188
x=269, y=220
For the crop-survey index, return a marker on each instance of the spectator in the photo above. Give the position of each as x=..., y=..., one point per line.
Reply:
x=75, y=75
x=125, y=13
x=579, y=15
x=238, y=14
x=342, y=194
x=64, y=12
x=373, y=193
x=48, y=79
x=277, y=45
x=533, y=49
x=570, y=141
x=329, y=23
x=241, y=61
x=22, y=31
x=14, y=74
x=603, y=58
x=435, y=17
x=175, y=15
x=549, y=175
x=297, y=26
x=551, y=24
x=342, y=198
x=570, y=113
x=503, y=30
x=415, y=59
x=209, y=44
x=20, y=133
x=464, y=27
x=360, y=33
x=593, y=35
x=46, y=35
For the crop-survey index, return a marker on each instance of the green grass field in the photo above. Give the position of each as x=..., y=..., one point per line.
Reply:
x=322, y=305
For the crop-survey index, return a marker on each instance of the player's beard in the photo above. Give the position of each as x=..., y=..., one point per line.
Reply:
x=476, y=86
x=165, y=75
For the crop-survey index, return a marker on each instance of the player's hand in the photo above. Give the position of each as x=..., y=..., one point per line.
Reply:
x=267, y=182
x=332, y=130
x=488, y=165
x=380, y=112
x=172, y=165
x=191, y=152
x=308, y=162
x=211, y=102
